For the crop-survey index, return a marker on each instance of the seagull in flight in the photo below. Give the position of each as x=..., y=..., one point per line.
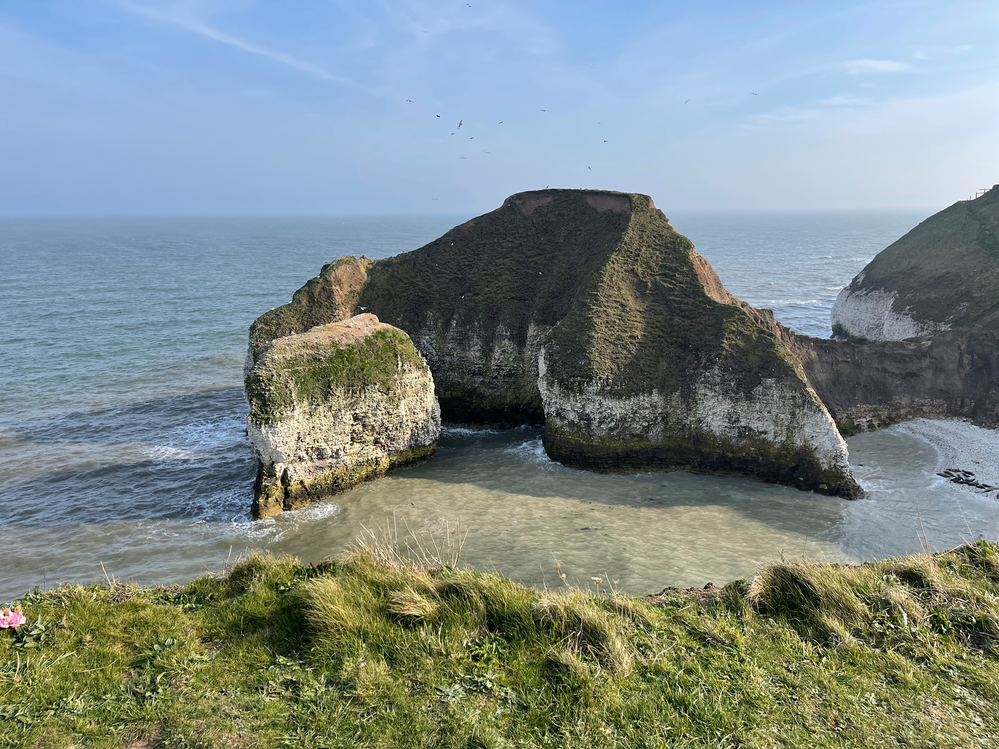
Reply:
x=753, y=93
x=435, y=198
x=501, y=122
x=484, y=151
x=438, y=117
x=459, y=124
x=589, y=168
x=462, y=157
x=544, y=110
x=686, y=101
x=409, y=100
x=605, y=141
x=472, y=137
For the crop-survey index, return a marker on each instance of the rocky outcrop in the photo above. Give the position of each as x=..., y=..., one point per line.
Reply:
x=953, y=374
x=942, y=275
x=334, y=406
x=587, y=311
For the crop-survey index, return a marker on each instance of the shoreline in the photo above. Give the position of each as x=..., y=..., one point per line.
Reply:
x=962, y=448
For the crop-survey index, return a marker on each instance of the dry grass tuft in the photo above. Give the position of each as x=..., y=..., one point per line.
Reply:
x=584, y=628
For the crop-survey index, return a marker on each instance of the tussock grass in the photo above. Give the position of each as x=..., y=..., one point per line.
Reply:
x=385, y=647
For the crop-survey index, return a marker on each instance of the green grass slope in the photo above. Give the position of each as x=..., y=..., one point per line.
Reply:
x=373, y=651
x=946, y=270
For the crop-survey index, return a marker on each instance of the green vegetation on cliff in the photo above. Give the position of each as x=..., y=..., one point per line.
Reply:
x=946, y=270
x=373, y=651
x=306, y=371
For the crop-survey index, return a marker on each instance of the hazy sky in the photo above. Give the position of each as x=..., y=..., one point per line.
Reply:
x=235, y=106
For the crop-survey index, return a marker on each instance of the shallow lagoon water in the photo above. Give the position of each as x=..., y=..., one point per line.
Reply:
x=121, y=421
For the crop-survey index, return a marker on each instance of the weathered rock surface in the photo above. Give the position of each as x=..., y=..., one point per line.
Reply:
x=944, y=274
x=953, y=374
x=334, y=406
x=588, y=311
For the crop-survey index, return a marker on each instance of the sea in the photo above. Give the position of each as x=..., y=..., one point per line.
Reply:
x=122, y=420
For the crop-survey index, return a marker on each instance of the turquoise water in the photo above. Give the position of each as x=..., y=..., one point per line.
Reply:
x=121, y=418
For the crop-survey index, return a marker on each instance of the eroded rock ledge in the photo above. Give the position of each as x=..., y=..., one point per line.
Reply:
x=335, y=406
x=587, y=311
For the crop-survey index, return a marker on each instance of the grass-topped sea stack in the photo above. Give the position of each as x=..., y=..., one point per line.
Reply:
x=335, y=406
x=588, y=312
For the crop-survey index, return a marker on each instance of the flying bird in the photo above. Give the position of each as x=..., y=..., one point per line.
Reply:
x=438, y=117
x=472, y=137
x=753, y=93
x=686, y=101
x=484, y=151
x=435, y=198
x=605, y=141
x=544, y=110
x=459, y=124
x=589, y=168
x=452, y=133
x=501, y=122
x=409, y=100
x=462, y=157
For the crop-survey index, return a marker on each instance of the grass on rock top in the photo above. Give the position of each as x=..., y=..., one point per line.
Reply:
x=373, y=650
x=293, y=373
x=947, y=268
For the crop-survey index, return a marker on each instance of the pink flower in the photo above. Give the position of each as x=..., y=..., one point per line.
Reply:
x=11, y=619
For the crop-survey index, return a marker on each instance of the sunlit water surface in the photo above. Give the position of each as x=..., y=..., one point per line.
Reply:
x=121, y=420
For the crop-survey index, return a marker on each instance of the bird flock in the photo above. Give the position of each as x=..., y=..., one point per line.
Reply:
x=461, y=122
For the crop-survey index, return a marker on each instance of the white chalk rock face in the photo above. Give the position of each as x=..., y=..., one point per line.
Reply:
x=777, y=432
x=871, y=314
x=336, y=406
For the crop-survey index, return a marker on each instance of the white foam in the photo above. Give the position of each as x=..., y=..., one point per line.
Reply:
x=449, y=431
x=533, y=451
x=223, y=432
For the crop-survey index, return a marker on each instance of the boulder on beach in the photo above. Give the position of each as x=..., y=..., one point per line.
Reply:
x=335, y=406
x=587, y=312
x=942, y=275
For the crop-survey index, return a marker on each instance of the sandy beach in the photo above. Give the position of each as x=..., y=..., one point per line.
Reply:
x=962, y=449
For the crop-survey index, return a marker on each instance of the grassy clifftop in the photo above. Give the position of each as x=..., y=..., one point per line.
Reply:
x=372, y=650
x=946, y=270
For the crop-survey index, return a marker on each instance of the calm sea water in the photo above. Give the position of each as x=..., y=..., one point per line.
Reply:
x=121, y=419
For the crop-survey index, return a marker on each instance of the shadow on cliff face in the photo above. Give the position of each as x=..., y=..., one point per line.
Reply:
x=179, y=457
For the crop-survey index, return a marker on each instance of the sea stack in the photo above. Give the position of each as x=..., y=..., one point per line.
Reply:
x=944, y=274
x=335, y=406
x=587, y=312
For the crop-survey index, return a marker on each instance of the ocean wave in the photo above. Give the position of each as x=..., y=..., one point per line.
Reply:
x=449, y=431
x=218, y=433
x=533, y=451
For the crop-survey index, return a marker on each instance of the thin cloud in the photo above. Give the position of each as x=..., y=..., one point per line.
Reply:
x=842, y=100
x=859, y=67
x=194, y=26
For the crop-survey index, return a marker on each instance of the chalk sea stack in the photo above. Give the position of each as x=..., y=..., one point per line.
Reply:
x=335, y=406
x=942, y=275
x=587, y=312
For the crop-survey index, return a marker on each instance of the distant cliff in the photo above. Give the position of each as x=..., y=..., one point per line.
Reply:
x=587, y=311
x=944, y=274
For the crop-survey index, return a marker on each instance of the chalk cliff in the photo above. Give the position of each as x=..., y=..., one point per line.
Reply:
x=334, y=406
x=588, y=312
x=944, y=274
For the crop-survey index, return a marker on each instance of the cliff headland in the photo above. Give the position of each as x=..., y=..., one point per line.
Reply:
x=588, y=312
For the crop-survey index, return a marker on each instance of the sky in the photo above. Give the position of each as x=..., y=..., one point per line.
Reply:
x=133, y=107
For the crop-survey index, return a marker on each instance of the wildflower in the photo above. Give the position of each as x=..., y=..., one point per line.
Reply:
x=11, y=618
x=596, y=580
